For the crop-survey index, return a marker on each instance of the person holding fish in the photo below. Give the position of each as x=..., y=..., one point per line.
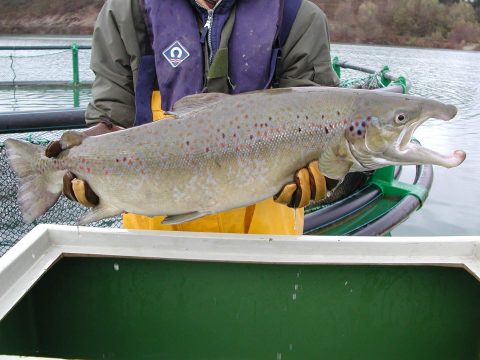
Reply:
x=149, y=54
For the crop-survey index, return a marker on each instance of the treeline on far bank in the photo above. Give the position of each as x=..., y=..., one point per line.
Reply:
x=426, y=23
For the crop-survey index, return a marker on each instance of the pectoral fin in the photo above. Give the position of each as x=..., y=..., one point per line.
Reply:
x=334, y=165
x=99, y=212
x=181, y=218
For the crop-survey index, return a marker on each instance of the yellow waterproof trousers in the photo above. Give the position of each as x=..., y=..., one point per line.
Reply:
x=265, y=217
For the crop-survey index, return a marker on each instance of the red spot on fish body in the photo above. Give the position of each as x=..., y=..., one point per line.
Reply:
x=105, y=173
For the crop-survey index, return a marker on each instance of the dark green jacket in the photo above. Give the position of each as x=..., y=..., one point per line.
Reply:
x=119, y=42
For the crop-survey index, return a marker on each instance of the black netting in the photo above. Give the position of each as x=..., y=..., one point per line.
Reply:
x=12, y=227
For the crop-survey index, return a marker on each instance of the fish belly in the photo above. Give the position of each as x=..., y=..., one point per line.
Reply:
x=136, y=183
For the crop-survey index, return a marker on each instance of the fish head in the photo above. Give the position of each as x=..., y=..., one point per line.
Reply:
x=381, y=130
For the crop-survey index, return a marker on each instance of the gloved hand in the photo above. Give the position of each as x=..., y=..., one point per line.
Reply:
x=79, y=190
x=73, y=188
x=309, y=184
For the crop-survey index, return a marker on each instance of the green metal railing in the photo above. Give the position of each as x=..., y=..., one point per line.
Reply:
x=75, y=63
x=382, y=78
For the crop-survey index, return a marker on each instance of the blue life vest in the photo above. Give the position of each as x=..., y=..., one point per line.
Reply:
x=174, y=61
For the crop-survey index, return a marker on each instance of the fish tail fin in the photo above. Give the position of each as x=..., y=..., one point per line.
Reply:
x=39, y=186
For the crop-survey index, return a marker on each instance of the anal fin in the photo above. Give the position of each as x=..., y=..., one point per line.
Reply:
x=181, y=218
x=99, y=212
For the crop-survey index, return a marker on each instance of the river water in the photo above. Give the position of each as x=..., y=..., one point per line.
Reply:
x=453, y=207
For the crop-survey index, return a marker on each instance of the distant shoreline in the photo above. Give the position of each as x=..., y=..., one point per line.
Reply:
x=429, y=24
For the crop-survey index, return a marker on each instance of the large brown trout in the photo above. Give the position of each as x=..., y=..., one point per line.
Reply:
x=219, y=152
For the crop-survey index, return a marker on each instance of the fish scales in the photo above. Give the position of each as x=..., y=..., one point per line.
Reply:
x=205, y=157
x=220, y=152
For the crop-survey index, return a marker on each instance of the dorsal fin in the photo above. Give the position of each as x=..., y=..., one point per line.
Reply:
x=195, y=102
x=70, y=139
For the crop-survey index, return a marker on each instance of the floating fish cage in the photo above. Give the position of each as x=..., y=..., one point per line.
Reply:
x=91, y=293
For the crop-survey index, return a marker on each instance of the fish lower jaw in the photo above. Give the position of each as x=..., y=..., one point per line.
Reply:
x=457, y=158
x=415, y=154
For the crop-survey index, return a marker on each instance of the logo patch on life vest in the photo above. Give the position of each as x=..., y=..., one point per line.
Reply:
x=176, y=54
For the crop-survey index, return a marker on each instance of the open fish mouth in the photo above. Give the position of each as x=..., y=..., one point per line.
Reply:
x=405, y=151
x=401, y=150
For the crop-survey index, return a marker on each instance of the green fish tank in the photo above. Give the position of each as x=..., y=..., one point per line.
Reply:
x=82, y=293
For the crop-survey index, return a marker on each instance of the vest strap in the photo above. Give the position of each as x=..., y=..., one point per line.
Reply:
x=218, y=79
x=146, y=84
x=289, y=13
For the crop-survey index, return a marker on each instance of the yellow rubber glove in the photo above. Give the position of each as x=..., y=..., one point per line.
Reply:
x=79, y=190
x=309, y=184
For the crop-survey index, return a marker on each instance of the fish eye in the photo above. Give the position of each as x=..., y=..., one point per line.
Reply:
x=400, y=118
